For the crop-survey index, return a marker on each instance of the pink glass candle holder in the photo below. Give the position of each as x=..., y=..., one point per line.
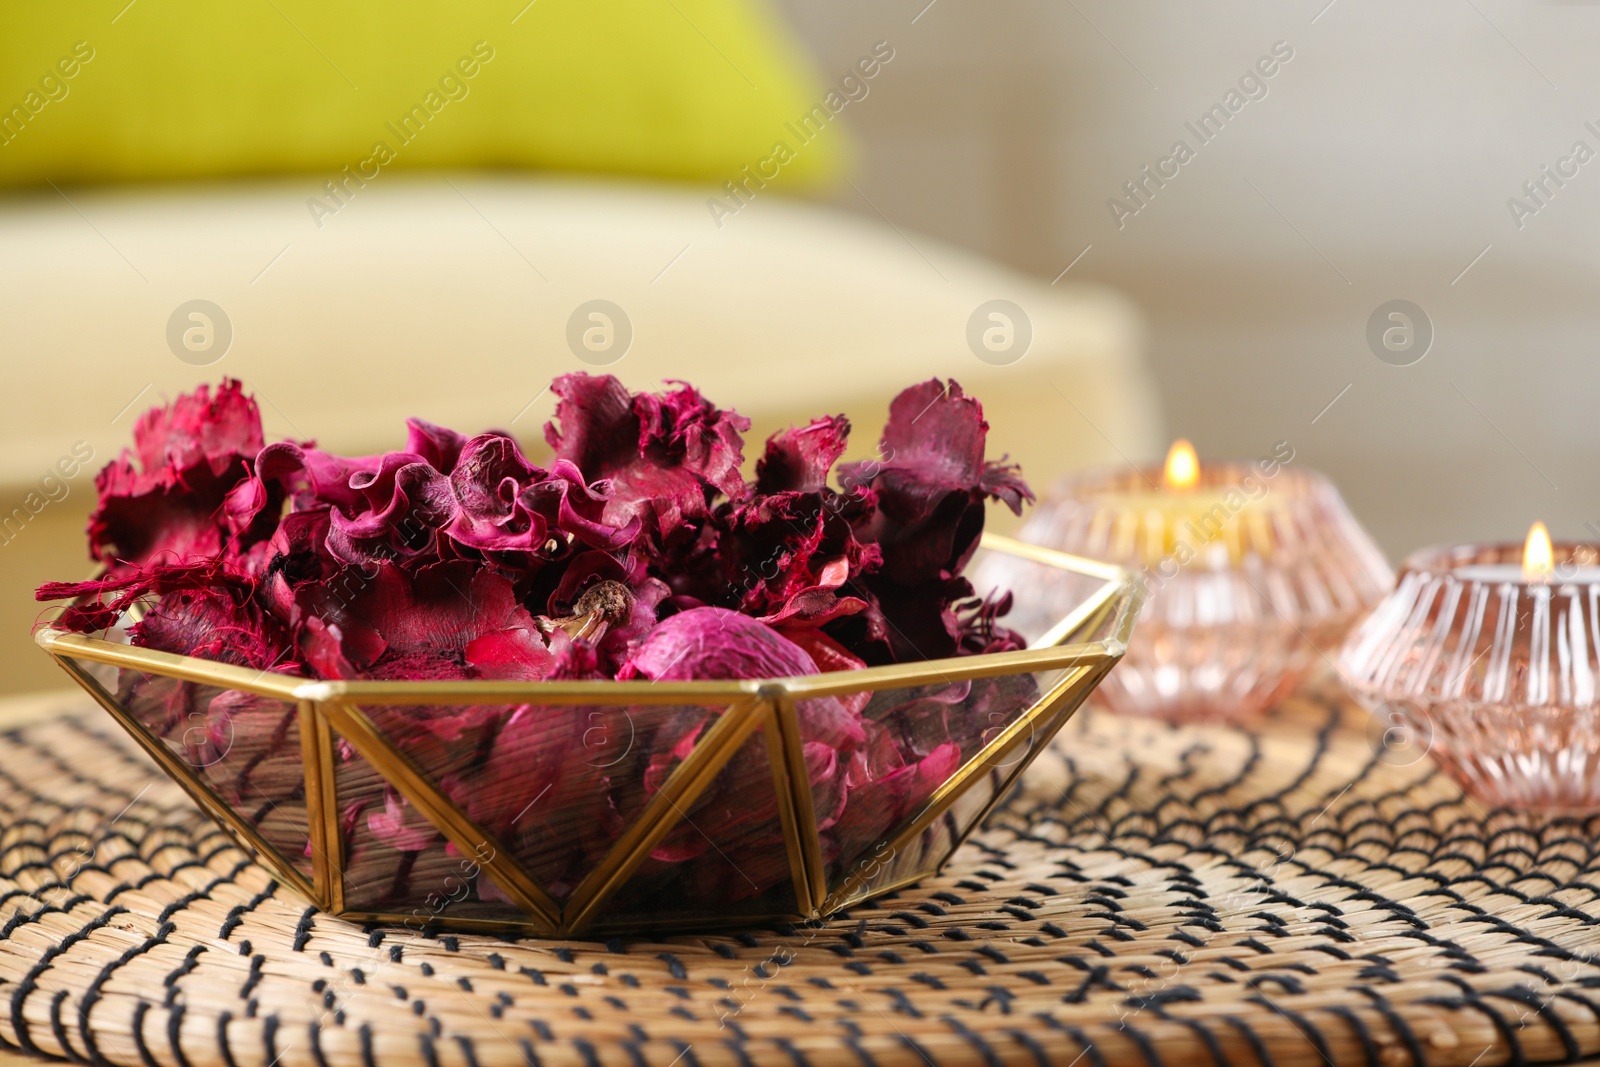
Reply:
x=1486, y=657
x=1254, y=572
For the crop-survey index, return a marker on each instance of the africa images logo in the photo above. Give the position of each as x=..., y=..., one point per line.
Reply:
x=452, y=85
x=1538, y=191
x=53, y=87
x=1252, y=85
x=742, y=188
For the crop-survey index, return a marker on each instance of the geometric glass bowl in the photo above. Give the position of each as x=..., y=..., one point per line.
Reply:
x=1249, y=578
x=1493, y=675
x=558, y=808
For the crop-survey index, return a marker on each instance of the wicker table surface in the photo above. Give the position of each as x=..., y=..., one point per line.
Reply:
x=1151, y=895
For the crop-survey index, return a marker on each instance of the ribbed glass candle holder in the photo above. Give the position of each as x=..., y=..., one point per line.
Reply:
x=1491, y=672
x=1252, y=577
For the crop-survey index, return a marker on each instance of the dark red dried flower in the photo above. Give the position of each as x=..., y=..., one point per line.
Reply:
x=797, y=460
x=667, y=455
x=159, y=501
x=640, y=553
x=930, y=486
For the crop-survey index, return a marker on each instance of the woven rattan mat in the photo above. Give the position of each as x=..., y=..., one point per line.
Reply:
x=1170, y=896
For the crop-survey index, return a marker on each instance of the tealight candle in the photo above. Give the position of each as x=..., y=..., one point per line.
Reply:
x=1486, y=656
x=1538, y=565
x=1252, y=570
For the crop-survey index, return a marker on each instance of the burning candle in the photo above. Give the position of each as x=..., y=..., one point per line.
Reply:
x=1538, y=556
x=1251, y=569
x=1537, y=563
x=1487, y=657
x=1181, y=472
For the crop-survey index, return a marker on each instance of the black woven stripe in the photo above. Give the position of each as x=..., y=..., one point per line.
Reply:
x=1408, y=1037
x=1091, y=1050
x=1582, y=1001
x=1252, y=1038
x=91, y=996
x=737, y=1047
x=863, y=1054
x=1541, y=1006
x=175, y=1035
x=586, y=1051
x=302, y=932
x=269, y=1038
x=236, y=916
x=153, y=876
x=1369, y=1046
x=985, y=1051
x=30, y=981
x=140, y=1010
x=190, y=961
x=1146, y=1047
x=314, y=1035
x=1300, y=1022
x=223, y=1046
x=1034, y=1049
x=1508, y=1037
x=1199, y=1029
x=58, y=1029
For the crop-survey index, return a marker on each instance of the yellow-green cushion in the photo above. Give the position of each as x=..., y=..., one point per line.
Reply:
x=111, y=91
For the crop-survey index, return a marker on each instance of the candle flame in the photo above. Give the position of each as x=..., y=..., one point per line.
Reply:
x=1183, y=466
x=1538, y=559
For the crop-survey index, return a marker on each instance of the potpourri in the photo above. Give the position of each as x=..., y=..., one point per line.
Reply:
x=637, y=550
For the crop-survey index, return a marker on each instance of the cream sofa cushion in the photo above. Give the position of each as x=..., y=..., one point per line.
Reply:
x=449, y=297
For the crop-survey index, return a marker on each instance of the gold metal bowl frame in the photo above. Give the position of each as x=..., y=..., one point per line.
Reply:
x=327, y=709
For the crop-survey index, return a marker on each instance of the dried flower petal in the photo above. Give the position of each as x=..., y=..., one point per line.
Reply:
x=403, y=501
x=798, y=460
x=486, y=483
x=665, y=454
x=717, y=644
x=930, y=493
x=159, y=501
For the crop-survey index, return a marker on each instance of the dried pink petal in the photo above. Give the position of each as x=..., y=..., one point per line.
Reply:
x=510, y=655
x=159, y=501
x=486, y=483
x=798, y=460
x=715, y=644
x=400, y=826
x=404, y=501
x=930, y=490
x=440, y=447
x=664, y=454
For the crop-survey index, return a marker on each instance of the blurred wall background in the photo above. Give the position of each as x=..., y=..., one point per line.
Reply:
x=1377, y=166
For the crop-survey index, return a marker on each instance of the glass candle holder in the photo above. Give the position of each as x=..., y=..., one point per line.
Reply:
x=1253, y=574
x=1490, y=666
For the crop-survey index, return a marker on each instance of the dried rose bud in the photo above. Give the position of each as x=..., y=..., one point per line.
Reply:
x=601, y=606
